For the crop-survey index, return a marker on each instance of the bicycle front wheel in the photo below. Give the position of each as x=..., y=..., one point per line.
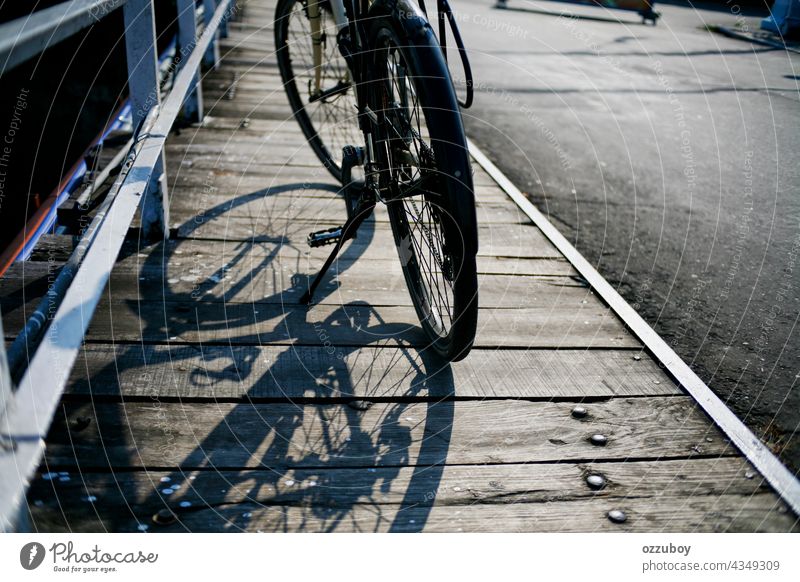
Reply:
x=426, y=176
x=320, y=92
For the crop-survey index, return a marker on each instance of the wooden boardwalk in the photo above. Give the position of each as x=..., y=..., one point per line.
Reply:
x=206, y=390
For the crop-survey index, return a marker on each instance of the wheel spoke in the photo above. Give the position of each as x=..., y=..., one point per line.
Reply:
x=333, y=115
x=412, y=169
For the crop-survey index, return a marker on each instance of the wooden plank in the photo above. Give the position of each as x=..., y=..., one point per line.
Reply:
x=51, y=247
x=225, y=271
x=248, y=58
x=250, y=27
x=267, y=173
x=210, y=256
x=498, y=240
x=124, y=499
x=263, y=278
x=284, y=163
x=257, y=282
x=196, y=140
x=270, y=98
x=262, y=41
x=352, y=324
x=214, y=183
x=184, y=206
x=228, y=84
x=221, y=130
x=275, y=372
x=298, y=156
x=223, y=435
x=726, y=513
x=246, y=88
x=254, y=127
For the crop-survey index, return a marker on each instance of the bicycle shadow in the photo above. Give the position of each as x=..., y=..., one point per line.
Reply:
x=320, y=453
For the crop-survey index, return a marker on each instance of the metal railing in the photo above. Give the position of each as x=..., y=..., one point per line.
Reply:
x=27, y=411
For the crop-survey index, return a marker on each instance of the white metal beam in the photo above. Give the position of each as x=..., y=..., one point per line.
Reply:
x=26, y=37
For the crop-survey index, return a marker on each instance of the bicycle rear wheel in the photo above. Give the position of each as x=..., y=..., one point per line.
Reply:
x=326, y=110
x=425, y=173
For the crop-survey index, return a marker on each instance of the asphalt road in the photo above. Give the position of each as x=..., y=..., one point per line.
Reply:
x=668, y=155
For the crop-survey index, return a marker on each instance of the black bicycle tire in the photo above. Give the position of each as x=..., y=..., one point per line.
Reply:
x=282, y=13
x=420, y=50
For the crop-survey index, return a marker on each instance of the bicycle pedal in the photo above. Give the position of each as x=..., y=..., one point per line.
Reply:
x=329, y=236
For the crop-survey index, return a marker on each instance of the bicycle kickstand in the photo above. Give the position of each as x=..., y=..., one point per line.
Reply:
x=359, y=207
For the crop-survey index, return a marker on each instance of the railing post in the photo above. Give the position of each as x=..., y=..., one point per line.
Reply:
x=187, y=39
x=211, y=56
x=140, y=43
x=223, y=25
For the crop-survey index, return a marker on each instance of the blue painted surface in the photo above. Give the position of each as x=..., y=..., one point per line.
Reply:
x=784, y=18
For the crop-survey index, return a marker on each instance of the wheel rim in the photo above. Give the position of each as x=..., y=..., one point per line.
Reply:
x=422, y=237
x=334, y=117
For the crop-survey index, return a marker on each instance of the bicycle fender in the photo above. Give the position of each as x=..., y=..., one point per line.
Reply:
x=408, y=14
x=413, y=24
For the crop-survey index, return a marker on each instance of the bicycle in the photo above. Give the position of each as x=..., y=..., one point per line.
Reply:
x=374, y=73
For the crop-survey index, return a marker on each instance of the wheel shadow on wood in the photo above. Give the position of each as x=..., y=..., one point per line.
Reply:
x=320, y=454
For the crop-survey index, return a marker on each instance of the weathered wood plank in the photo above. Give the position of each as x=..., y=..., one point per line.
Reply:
x=55, y=248
x=200, y=140
x=726, y=513
x=226, y=152
x=250, y=281
x=272, y=98
x=228, y=435
x=497, y=240
x=208, y=173
x=233, y=84
x=122, y=499
x=249, y=58
x=232, y=131
x=192, y=262
x=274, y=372
x=267, y=111
x=352, y=324
x=299, y=156
x=219, y=187
x=446, y=485
x=218, y=271
x=184, y=205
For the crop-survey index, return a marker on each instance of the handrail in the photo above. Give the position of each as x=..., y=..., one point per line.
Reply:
x=26, y=37
x=30, y=410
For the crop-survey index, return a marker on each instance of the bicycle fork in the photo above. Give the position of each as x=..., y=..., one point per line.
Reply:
x=360, y=198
